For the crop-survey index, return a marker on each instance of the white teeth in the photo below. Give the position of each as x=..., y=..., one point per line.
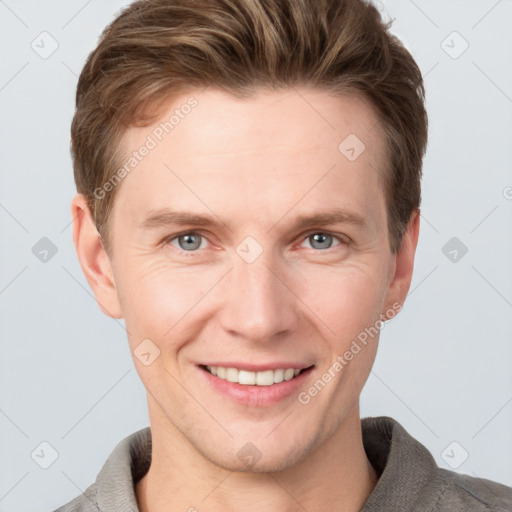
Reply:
x=278, y=376
x=247, y=378
x=288, y=374
x=264, y=378
x=232, y=374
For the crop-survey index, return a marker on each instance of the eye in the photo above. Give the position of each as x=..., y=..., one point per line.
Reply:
x=189, y=241
x=320, y=240
x=192, y=241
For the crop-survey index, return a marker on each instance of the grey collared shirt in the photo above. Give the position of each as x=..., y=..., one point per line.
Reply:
x=409, y=478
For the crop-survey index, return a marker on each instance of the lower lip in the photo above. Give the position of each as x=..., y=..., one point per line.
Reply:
x=257, y=396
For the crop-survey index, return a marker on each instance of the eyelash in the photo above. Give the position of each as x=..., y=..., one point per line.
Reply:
x=343, y=240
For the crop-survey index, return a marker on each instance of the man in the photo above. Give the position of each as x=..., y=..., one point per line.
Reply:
x=248, y=176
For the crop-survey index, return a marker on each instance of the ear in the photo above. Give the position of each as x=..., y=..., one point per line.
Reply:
x=403, y=264
x=93, y=258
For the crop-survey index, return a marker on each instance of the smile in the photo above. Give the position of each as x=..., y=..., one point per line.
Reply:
x=255, y=385
x=248, y=378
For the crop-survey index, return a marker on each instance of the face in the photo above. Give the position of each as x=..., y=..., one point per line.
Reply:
x=251, y=241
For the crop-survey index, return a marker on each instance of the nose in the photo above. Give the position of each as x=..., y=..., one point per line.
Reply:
x=258, y=303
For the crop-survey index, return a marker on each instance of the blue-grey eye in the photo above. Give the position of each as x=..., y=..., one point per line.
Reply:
x=324, y=240
x=191, y=241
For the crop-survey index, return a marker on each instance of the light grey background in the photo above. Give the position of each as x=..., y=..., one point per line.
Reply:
x=444, y=364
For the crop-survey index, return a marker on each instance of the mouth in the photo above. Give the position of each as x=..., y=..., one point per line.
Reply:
x=255, y=386
x=250, y=378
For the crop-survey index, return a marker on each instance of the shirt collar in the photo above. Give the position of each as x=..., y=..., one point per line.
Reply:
x=404, y=466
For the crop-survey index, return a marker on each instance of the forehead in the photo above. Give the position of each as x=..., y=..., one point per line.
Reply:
x=211, y=119
x=278, y=145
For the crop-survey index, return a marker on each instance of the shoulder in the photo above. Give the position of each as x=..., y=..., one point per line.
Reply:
x=86, y=502
x=114, y=487
x=463, y=492
x=410, y=479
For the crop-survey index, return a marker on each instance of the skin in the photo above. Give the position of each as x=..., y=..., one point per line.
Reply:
x=257, y=164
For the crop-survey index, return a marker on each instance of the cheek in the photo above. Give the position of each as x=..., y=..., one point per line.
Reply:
x=157, y=298
x=350, y=306
x=346, y=299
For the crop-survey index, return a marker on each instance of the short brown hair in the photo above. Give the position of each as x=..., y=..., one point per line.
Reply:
x=157, y=48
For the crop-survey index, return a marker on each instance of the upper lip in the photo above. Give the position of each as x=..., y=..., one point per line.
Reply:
x=251, y=367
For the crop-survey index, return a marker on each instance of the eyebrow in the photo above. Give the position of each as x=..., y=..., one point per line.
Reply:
x=166, y=217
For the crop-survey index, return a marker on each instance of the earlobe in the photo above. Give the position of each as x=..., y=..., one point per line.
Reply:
x=404, y=265
x=93, y=258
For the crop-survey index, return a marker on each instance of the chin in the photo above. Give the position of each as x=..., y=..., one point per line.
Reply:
x=260, y=456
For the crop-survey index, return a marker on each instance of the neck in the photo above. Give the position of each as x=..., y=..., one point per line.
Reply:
x=337, y=476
